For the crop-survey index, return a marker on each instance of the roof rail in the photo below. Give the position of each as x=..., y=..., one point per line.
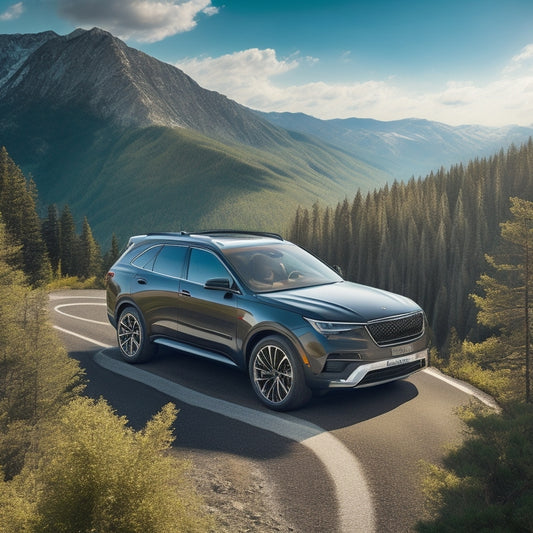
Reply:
x=169, y=233
x=239, y=232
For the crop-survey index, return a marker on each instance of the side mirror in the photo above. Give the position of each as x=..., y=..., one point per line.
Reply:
x=218, y=284
x=338, y=269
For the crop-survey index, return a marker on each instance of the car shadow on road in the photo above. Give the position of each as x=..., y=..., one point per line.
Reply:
x=334, y=410
x=341, y=408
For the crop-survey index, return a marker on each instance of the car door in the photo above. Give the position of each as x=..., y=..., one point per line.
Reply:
x=206, y=317
x=156, y=289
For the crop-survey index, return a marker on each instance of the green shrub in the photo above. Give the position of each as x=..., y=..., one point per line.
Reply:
x=93, y=473
x=485, y=484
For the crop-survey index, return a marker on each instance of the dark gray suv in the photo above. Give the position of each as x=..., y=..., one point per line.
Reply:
x=258, y=302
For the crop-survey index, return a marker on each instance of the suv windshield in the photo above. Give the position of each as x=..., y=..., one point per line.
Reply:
x=275, y=267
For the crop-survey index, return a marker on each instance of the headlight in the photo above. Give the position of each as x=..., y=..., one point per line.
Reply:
x=333, y=328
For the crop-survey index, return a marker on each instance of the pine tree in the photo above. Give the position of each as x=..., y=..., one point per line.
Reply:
x=506, y=305
x=36, y=376
x=417, y=237
x=68, y=243
x=51, y=236
x=112, y=255
x=19, y=212
x=90, y=257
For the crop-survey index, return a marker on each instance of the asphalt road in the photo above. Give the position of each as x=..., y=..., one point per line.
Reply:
x=347, y=462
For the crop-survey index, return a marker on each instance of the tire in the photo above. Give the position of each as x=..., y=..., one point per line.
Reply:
x=133, y=341
x=277, y=374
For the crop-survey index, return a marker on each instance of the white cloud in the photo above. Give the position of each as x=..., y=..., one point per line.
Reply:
x=255, y=78
x=520, y=60
x=140, y=20
x=13, y=12
x=239, y=73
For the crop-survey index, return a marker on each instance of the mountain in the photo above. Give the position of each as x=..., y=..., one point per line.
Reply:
x=94, y=70
x=15, y=49
x=404, y=148
x=137, y=145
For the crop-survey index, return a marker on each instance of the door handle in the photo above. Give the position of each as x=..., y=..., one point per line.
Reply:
x=141, y=281
x=185, y=293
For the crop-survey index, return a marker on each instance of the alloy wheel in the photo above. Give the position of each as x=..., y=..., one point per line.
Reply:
x=273, y=373
x=129, y=334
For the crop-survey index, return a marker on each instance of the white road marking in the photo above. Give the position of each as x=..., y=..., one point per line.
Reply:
x=58, y=296
x=58, y=307
x=83, y=337
x=464, y=387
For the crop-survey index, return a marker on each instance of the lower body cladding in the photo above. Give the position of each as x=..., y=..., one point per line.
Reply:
x=376, y=372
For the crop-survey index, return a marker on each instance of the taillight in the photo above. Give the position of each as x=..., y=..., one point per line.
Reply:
x=109, y=275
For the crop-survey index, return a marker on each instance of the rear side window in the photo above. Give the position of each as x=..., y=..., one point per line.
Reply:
x=147, y=258
x=171, y=261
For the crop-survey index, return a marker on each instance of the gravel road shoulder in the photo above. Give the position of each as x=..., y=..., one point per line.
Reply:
x=237, y=493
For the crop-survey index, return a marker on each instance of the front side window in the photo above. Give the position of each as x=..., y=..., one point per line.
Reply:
x=171, y=261
x=204, y=265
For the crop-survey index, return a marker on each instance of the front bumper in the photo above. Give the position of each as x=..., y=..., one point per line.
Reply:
x=379, y=372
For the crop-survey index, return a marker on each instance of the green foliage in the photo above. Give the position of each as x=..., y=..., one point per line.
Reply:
x=506, y=303
x=51, y=236
x=67, y=463
x=91, y=472
x=485, y=484
x=90, y=259
x=426, y=238
x=157, y=178
x=96, y=474
x=18, y=208
x=112, y=254
x=483, y=365
x=74, y=282
x=68, y=243
x=36, y=374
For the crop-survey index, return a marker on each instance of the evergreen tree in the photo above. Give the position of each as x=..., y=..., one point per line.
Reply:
x=51, y=236
x=486, y=483
x=19, y=213
x=90, y=257
x=36, y=376
x=112, y=255
x=68, y=243
x=425, y=238
x=506, y=305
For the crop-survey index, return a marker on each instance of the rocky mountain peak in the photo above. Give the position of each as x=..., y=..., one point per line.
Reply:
x=94, y=71
x=16, y=48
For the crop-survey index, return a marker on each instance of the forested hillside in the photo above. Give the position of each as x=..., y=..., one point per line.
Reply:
x=427, y=238
x=48, y=249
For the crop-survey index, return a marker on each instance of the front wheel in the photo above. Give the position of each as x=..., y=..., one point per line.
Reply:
x=277, y=374
x=134, y=344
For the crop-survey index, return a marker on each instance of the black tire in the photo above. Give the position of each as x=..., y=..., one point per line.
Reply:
x=133, y=341
x=277, y=374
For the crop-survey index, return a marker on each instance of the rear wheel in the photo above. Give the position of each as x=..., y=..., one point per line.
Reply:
x=277, y=374
x=133, y=342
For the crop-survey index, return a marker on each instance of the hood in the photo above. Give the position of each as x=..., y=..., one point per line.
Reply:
x=342, y=302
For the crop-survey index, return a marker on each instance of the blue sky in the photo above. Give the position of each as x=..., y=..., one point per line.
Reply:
x=455, y=61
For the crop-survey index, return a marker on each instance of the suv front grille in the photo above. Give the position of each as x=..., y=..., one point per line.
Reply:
x=396, y=330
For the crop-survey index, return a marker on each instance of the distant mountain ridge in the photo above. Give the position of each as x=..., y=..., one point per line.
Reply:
x=405, y=147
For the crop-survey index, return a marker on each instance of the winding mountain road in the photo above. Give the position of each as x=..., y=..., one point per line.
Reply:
x=347, y=462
